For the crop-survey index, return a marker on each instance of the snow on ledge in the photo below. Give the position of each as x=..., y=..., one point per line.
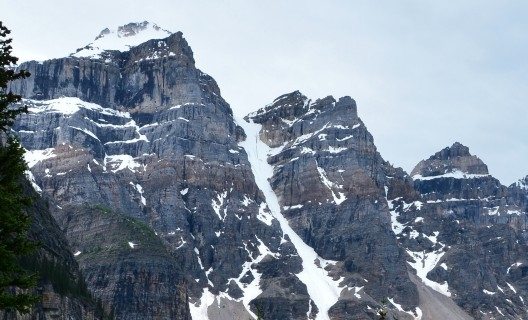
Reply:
x=455, y=174
x=70, y=105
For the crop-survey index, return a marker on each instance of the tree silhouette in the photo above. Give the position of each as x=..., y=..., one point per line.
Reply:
x=14, y=220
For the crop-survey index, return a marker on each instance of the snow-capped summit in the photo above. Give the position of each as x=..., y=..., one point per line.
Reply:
x=122, y=39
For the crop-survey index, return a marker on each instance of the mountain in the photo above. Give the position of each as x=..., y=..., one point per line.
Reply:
x=152, y=188
x=176, y=209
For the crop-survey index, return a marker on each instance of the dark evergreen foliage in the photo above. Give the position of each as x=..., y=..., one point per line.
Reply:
x=382, y=312
x=14, y=221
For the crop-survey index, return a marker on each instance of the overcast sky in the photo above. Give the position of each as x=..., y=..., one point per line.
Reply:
x=424, y=73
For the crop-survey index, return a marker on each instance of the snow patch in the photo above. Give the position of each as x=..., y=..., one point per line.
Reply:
x=31, y=178
x=340, y=197
x=121, y=162
x=198, y=257
x=264, y=214
x=199, y=309
x=70, y=105
x=139, y=189
x=336, y=150
x=515, y=265
x=398, y=307
x=397, y=227
x=297, y=206
x=218, y=203
x=33, y=157
x=425, y=262
x=345, y=138
x=511, y=287
x=246, y=201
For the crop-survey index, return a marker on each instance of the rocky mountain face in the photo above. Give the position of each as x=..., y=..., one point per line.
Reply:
x=174, y=209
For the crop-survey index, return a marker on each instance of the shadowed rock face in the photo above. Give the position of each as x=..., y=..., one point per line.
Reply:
x=60, y=283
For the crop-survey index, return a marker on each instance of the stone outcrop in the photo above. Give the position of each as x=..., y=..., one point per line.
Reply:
x=149, y=77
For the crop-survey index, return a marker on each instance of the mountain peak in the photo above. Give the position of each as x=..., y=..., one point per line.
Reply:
x=454, y=162
x=121, y=39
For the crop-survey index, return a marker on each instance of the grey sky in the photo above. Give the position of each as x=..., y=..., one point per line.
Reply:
x=424, y=73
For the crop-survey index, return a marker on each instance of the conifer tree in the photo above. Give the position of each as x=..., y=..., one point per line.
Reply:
x=14, y=220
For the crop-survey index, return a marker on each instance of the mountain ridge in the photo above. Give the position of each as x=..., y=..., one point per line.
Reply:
x=148, y=167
